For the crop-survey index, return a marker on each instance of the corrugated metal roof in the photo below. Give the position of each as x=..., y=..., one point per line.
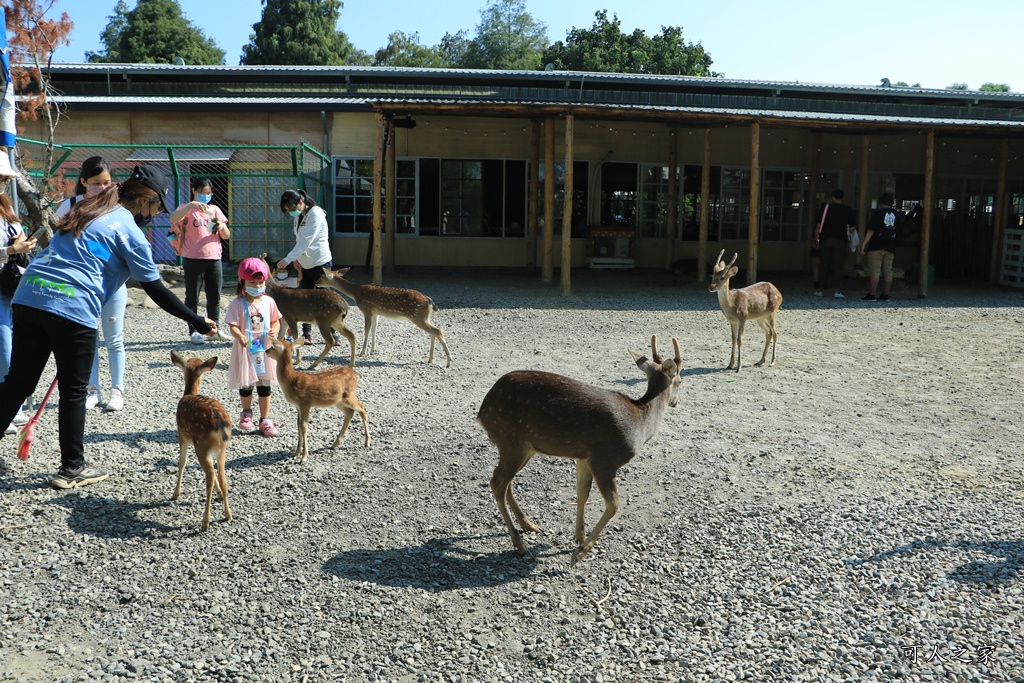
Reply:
x=215, y=100
x=181, y=154
x=484, y=74
x=579, y=108
x=723, y=111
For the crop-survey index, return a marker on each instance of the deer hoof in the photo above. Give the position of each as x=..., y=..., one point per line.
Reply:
x=580, y=552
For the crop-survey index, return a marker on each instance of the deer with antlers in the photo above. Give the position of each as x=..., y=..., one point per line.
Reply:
x=528, y=412
x=204, y=424
x=333, y=388
x=388, y=302
x=758, y=302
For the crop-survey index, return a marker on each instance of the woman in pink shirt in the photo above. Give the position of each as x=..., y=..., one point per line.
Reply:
x=199, y=227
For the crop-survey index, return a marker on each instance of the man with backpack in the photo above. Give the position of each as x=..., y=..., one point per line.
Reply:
x=880, y=245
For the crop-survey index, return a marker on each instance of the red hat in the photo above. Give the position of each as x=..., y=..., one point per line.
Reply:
x=253, y=269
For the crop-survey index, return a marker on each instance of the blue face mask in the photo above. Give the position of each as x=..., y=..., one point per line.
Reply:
x=255, y=291
x=295, y=214
x=204, y=198
x=141, y=220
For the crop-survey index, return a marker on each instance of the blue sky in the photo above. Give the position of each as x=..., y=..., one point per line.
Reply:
x=936, y=42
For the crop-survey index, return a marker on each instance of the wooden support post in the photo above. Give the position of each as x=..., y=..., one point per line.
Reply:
x=567, y=197
x=673, y=198
x=927, y=213
x=546, y=267
x=864, y=198
x=390, y=199
x=378, y=173
x=812, y=199
x=999, y=216
x=531, y=220
x=705, y=210
x=755, y=200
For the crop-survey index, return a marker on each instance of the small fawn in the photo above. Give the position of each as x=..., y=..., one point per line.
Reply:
x=321, y=306
x=528, y=412
x=389, y=302
x=328, y=388
x=204, y=424
x=758, y=302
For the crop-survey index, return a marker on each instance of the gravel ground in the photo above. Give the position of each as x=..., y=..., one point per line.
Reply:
x=827, y=519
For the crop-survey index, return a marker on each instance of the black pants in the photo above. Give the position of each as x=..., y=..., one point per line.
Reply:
x=831, y=261
x=211, y=272
x=37, y=335
x=311, y=276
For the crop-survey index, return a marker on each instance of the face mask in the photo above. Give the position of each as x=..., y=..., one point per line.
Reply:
x=204, y=198
x=255, y=291
x=141, y=220
x=296, y=213
x=93, y=190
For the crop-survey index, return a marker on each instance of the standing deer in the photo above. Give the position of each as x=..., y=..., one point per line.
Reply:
x=528, y=412
x=390, y=302
x=204, y=424
x=759, y=302
x=323, y=307
x=335, y=387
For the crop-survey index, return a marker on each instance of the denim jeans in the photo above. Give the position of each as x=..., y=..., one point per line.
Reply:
x=37, y=335
x=5, y=336
x=212, y=273
x=112, y=325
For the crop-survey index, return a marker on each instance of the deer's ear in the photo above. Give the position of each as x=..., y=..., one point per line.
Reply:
x=733, y=271
x=643, y=362
x=177, y=360
x=209, y=364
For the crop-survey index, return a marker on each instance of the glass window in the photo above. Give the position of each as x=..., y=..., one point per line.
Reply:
x=579, y=203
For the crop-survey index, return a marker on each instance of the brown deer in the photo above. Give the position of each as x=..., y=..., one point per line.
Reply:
x=758, y=302
x=325, y=308
x=335, y=387
x=204, y=424
x=528, y=412
x=389, y=302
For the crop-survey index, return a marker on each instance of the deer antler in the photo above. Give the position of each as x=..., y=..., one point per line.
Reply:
x=654, y=350
x=679, y=356
x=718, y=261
x=734, y=257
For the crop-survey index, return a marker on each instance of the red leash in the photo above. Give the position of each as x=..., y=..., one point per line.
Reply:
x=28, y=432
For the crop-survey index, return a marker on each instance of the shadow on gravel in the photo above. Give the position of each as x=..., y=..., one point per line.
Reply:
x=1007, y=570
x=438, y=565
x=108, y=518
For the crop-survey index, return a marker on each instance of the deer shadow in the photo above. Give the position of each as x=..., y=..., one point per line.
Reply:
x=108, y=518
x=438, y=565
x=979, y=572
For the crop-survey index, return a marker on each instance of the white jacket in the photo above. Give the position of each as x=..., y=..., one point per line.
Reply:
x=312, y=239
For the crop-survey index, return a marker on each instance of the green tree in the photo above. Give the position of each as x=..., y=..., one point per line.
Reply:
x=904, y=84
x=111, y=36
x=156, y=32
x=994, y=87
x=301, y=32
x=453, y=47
x=958, y=86
x=508, y=37
x=406, y=50
x=605, y=48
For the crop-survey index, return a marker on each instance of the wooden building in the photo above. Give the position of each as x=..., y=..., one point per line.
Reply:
x=473, y=168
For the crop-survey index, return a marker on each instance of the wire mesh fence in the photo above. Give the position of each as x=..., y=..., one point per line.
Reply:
x=247, y=183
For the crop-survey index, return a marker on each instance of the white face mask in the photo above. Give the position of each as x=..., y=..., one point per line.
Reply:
x=93, y=190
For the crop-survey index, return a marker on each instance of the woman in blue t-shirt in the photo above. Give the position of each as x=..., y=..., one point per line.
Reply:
x=94, y=251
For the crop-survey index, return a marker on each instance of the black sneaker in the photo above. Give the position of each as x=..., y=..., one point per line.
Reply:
x=884, y=297
x=870, y=297
x=87, y=474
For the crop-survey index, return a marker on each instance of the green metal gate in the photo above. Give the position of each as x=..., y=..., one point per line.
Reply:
x=247, y=184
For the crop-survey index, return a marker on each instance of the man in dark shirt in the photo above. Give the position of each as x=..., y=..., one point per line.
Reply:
x=880, y=245
x=835, y=222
